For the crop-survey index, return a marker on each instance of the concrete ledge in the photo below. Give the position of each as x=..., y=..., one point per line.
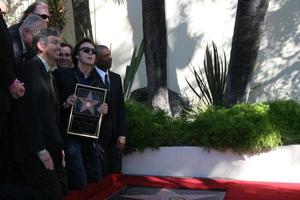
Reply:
x=279, y=165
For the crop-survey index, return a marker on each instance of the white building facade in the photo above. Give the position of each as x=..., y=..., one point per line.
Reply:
x=191, y=25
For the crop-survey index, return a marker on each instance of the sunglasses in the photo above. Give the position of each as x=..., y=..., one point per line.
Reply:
x=88, y=50
x=43, y=16
x=3, y=13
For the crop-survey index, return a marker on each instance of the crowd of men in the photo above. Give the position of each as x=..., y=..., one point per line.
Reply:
x=38, y=158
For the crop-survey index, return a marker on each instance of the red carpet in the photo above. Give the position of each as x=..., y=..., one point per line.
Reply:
x=235, y=190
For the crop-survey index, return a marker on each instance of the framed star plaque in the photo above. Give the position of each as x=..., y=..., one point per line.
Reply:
x=85, y=119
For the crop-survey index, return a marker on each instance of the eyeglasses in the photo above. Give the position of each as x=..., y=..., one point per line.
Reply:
x=43, y=16
x=88, y=50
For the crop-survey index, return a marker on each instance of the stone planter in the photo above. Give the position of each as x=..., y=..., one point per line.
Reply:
x=279, y=165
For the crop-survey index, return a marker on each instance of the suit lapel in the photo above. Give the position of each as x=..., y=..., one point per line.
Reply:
x=47, y=79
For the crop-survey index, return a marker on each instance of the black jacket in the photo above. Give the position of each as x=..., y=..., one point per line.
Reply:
x=6, y=66
x=36, y=114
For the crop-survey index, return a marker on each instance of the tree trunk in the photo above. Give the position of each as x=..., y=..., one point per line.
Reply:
x=246, y=39
x=155, y=38
x=82, y=19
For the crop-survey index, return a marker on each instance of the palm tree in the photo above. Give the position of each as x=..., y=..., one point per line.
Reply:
x=249, y=24
x=82, y=19
x=155, y=41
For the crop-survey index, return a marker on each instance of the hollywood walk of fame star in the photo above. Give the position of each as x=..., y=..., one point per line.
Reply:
x=88, y=103
x=176, y=194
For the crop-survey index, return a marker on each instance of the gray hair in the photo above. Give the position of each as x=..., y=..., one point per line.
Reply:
x=42, y=36
x=33, y=23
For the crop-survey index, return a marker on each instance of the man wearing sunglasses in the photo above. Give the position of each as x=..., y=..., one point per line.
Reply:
x=37, y=8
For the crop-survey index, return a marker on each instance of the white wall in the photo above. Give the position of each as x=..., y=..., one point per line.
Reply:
x=191, y=25
x=278, y=74
x=278, y=165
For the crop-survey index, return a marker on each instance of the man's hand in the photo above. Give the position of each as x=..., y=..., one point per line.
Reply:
x=46, y=159
x=63, y=160
x=70, y=101
x=17, y=89
x=103, y=108
x=121, y=144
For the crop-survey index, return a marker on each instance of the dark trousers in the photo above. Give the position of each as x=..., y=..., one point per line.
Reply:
x=83, y=161
x=5, y=143
x=112, y=160
x=32, y=181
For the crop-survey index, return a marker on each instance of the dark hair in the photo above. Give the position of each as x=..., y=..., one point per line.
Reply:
x=30, y=9
x=77, y=48
x=43, y=34
x=66, y=45
x=99, y=48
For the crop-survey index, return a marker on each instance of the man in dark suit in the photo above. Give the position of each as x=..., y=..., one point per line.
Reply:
x=9, y=87
x=113, y=126
x=38, y=155
x=22, y=38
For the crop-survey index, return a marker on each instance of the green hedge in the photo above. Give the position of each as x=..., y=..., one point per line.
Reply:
x=244, y=128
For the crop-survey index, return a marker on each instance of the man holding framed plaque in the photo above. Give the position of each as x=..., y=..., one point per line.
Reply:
x=82, y=107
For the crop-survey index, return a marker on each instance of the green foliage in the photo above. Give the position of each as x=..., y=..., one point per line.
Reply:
x=57, y=10
x=211, y=87
x=132, y=69
x=243, y=128
x=285, y=116
x=148, y=128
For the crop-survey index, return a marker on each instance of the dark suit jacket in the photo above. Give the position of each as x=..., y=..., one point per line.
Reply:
x=36, y=114
x=6, y=67
x=114, y=122
x=18, y=46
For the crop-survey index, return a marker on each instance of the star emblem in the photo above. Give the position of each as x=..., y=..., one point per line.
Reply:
x=88, y=103
x=170, y=194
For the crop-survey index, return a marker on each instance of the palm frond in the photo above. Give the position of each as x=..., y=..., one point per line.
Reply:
x=211, y=80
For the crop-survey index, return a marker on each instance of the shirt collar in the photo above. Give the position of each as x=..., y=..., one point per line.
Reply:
x=47, y=66
x=102, y=73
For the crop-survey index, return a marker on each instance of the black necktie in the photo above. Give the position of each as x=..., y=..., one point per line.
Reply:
x=106, y=82
x=52, y=84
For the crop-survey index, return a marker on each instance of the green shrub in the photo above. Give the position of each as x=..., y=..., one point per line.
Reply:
x=285, y=116
x=244, y=128
x=148, y=128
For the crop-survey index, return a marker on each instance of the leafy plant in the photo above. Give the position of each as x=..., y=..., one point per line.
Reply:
x=285, y=116
x=132, y=69
x=57, y=10
x=210, y=87
x=243, y=128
